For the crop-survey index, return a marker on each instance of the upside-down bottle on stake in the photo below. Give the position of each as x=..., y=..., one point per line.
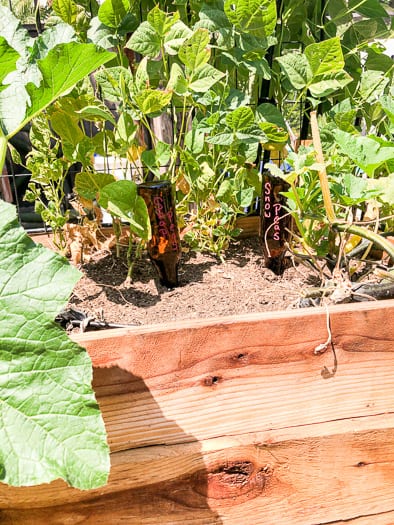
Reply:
x=275, y=221
x=164, y=247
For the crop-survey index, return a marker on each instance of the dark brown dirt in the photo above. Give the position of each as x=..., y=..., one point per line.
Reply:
x=208, y=287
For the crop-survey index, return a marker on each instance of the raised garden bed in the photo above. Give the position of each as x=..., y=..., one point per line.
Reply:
x=238, y=420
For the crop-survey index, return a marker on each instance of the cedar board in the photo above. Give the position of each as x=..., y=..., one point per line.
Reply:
x=237, y=421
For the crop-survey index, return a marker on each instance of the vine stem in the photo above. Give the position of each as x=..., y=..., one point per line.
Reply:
x=322, y=171
x=3, y=150
x=371, y=236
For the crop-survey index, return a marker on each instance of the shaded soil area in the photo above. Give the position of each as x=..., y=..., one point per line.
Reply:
x=208, y=287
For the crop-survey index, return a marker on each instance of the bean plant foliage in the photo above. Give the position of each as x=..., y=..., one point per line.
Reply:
x=50, y=423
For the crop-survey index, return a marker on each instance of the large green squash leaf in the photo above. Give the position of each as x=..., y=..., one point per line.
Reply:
x=50, y=423
x=8, y=58
x=63, y=67
x=366, y=152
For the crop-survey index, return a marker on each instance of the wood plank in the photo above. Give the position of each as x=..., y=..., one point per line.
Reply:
x=186, y=405
x=249, y=225
x=259, y=372
x=279, y=336
x=236, y=421
x=309, y=481
x=381, y=518
x=133, y=468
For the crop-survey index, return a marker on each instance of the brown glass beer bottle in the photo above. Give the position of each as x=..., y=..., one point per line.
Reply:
x=275, y=222
x=164, y=247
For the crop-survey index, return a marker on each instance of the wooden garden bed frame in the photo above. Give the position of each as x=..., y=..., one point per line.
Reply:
x=238, y=421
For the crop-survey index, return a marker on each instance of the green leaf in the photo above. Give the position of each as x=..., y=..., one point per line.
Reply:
x=274, y=134
x=50, y=423
x=240, y=119
x=269, y=113
x=325, y=57
x=88, y=184
x=63, y=67
x=112, y=12
x=244, y=197
x=194, y=53
x=221, y=139
x=204, y=78
x=194, y=140
x=66, y=127
x=177, y=81
x=355, y=186
x=368, y=8
x=257, y=17
x=17, y=37
x=67, y=10
x=126, y=128
x=177, y=35
x=225, y=191
x=96, y=113
x=157, y=158
x=367, y=153
x=120, y=198
x=110, y=81
x=145, y=40
x=372, y=85
x=320, y=68
x=325, y=85
x=379, y=61
x=161, y=21
x=151, y=101
x=217, y=24
x=8, y=58
x=385, y=187
x=296, y=68
x=387, y=103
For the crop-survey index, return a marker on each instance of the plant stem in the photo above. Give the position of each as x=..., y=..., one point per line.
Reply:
x=116, y=224
x=371, y=236
x=322, y=171
x=3, y=150
x=137, y=255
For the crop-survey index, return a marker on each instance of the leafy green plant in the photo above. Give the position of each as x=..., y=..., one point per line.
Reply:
x=202, y=68
x=46, y=379
x=326, y=196
x=214, y=134
x=121, y=200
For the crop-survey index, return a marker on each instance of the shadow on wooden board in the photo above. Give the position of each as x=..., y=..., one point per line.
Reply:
x=157, y=486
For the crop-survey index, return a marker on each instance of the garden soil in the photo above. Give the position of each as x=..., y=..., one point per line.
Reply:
x=208, y=287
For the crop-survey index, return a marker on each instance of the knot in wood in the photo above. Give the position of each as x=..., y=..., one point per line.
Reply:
x=238, y=480
x=212, y=380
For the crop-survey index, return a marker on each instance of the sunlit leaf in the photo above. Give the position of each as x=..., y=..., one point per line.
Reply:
x=257, y=17
x=120, y=198
x=50, y=423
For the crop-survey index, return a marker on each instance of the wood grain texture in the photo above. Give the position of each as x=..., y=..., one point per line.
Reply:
x=307, y=481
x=237, y=421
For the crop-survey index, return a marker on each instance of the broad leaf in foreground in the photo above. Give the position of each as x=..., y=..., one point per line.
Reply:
x=50, y=423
